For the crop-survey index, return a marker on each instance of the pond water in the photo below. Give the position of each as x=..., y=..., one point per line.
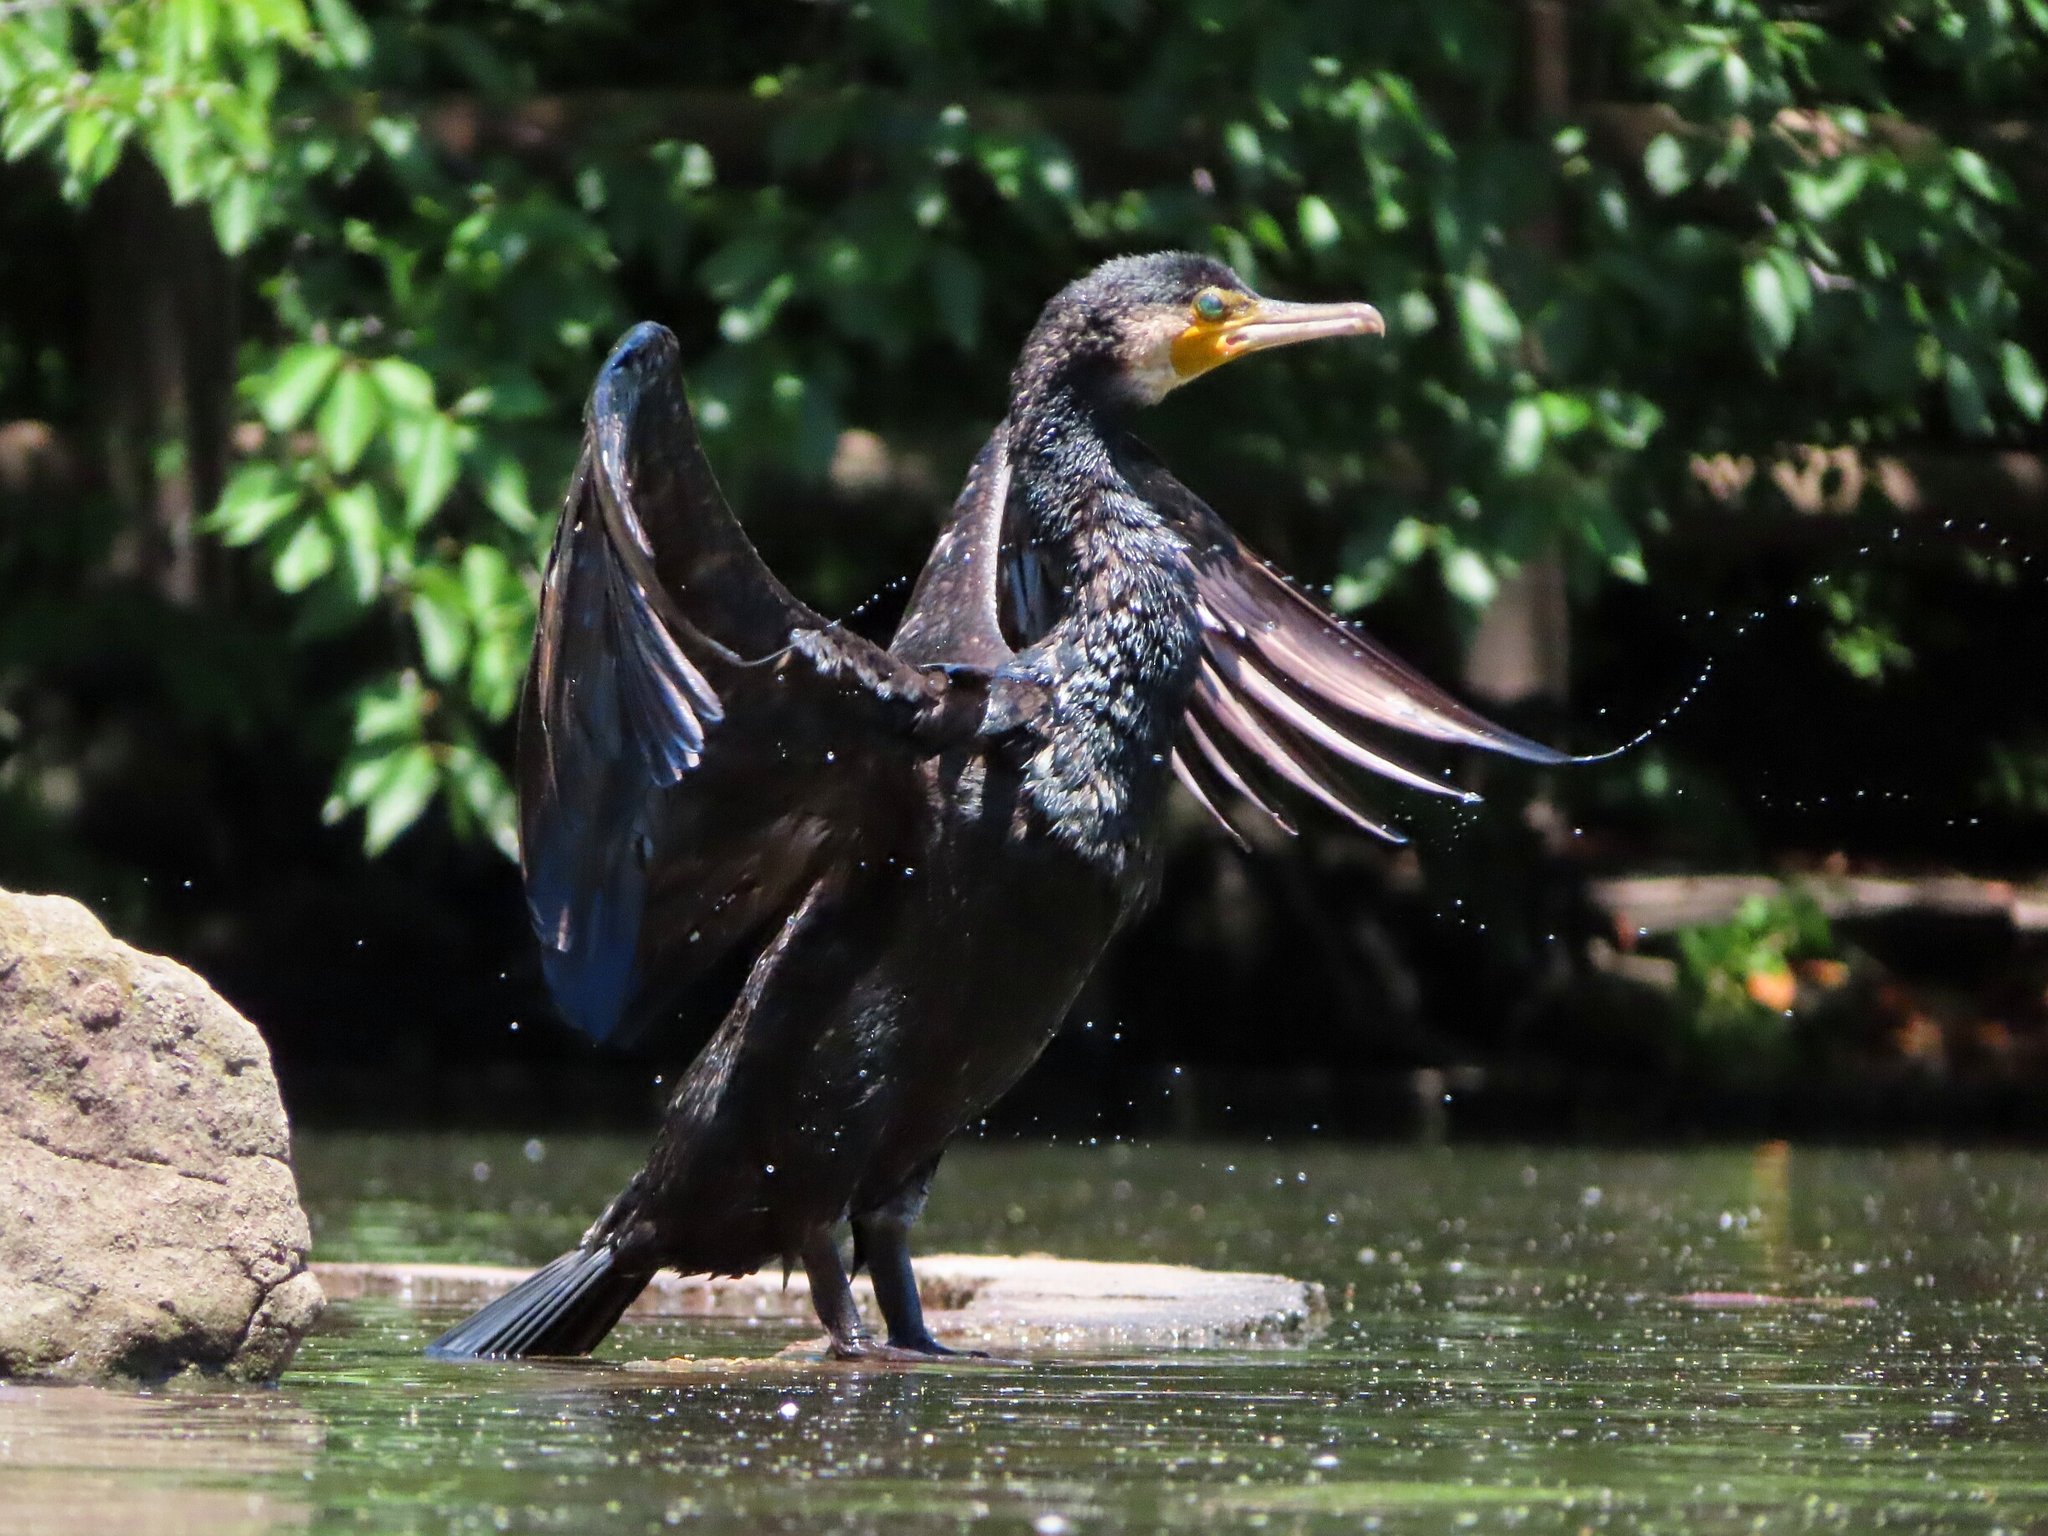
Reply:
x=1527, y=1340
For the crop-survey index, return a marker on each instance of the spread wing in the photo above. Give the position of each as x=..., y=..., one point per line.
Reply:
x=696, y=746
x=1287, y=692
x=951, y=618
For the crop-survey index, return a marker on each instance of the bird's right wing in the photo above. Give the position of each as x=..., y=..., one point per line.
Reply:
x=696, y=746
x=1285, y=691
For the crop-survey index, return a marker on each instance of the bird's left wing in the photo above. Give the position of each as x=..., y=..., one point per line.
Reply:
x=1286, y=691
x=696, y=746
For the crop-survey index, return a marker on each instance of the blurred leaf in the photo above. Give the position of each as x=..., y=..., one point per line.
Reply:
x=401, y=792
x=1771, y=319
x=344, y=31
x=237, y=213
x=307, y=556
x=355, y=515
x=407, y=388
x=430, y=470
x=2023, y=380
x=1489, y=323
x=1318, y=223
x=349, y=418
x=504, y=489
x=1966, y=401
x=481, y=787
x=256, y=500
x=1521, y=443
x=1664, y=166
x=391, y=709
x=1470, y=578
x=440, y=616
x=299, y=378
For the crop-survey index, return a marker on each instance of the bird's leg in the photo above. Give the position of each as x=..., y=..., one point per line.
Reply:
x=884, y=1238
x=832, y=1298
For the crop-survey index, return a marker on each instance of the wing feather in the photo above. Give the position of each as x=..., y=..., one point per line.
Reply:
x=1290, y=686
x=1289, y=759
x=1339, y=666
x=1192, y=772
x=952, y=617
x=1213, y=753
x=696, y=746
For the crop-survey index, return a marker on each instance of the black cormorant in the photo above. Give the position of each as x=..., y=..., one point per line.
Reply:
x=917, y=853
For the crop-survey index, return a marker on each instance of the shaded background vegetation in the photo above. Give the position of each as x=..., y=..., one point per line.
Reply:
x=1711, y=382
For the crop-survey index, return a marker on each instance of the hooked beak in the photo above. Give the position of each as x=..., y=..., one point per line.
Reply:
x=1265, y=323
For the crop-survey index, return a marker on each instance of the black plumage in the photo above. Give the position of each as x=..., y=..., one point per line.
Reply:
x=917, y=852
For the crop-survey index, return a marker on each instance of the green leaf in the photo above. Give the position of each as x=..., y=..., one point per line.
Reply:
x=83, y=136
x=1521, y=441
x=407, y=387
x=496, y=669
x=1318, y=223
x=440, y=617
x=1680, y=68
x=284, y=20
x=402, y=792
x=504, y=488
x=299, y=379
x=193, y=22
x=1489, y=323
x=393, y=709
x=174, y=144
x=22, y=131
x=349, y=419
x=479, y=786
x=2023, y=380
x=344, y=32
x=1977, y=173
x=237, y=213
x=307, y=556
x=1771, y=320
x=1966, y=396
x=1664, y=166
x=429, y=471
x=1469, y=578
x=1821, y=196
x=1241, y=143
x=256, y=500
x=487, y=579
x=355, y=515
x=1564, y=414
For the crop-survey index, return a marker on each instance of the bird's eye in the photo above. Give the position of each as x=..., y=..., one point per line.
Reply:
x=1210, y=305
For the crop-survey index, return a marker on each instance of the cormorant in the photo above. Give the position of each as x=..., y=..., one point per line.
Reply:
x=917, y=852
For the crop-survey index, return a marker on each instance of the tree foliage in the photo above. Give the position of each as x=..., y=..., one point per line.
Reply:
x=1747, y=226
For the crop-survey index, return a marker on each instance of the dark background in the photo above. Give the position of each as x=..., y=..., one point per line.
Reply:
x=1760, y=272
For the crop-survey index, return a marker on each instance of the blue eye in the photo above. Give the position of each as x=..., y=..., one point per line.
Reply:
x=1210, y=305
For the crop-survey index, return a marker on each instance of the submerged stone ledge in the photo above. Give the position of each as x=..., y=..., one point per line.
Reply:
x=1030, y=1302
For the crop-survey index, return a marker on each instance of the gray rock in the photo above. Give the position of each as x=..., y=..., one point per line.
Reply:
x=1030, y=1302
x=149, y=1221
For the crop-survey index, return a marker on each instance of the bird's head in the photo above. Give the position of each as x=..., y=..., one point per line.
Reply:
x=1139, y=326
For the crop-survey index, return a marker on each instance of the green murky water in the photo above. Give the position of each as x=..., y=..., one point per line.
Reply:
x=1518, y=1344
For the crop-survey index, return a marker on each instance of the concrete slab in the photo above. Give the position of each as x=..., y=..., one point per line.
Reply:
x=998, y=1303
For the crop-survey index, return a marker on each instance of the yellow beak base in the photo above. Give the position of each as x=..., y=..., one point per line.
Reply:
x=1268, y=323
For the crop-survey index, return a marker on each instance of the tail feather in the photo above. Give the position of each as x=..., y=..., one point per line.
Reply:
x=564, y=1308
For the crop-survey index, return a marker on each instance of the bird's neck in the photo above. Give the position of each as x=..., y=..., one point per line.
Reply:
x=1072, y=498
x=1109, y=616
